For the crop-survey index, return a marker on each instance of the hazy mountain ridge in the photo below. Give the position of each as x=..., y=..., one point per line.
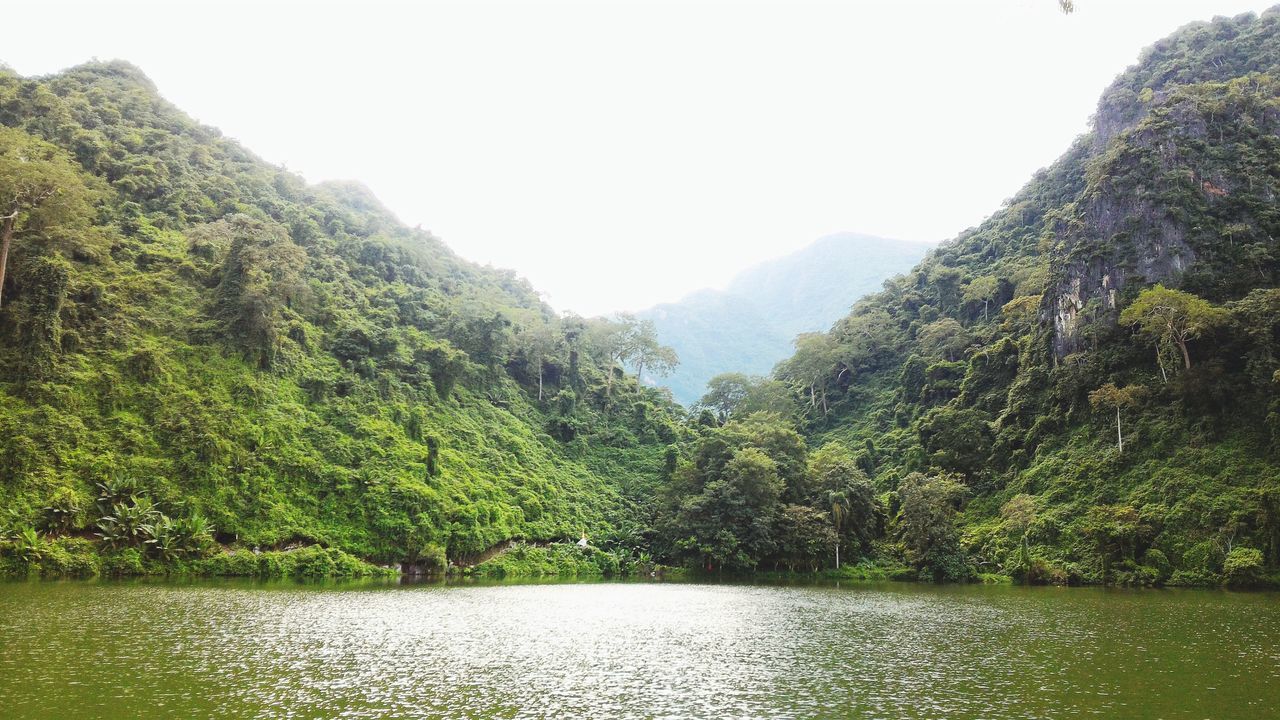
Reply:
x=751, y=324
x=1087, y=381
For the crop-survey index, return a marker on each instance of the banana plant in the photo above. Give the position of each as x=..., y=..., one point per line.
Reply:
x=124, y=524
x=164, y=537
x=28, y=545
x=196, y=532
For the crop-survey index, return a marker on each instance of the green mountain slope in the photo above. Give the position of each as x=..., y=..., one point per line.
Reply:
x=1004, y=360
x=749, y=326
x=187, y=326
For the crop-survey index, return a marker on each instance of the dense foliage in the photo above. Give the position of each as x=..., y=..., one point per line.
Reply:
x=1083, y=388
x=254, y=361
x=211, y=365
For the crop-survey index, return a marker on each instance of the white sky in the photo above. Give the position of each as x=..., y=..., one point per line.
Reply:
x=620, y=154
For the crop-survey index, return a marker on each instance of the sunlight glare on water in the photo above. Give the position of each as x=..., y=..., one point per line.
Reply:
x=105, y=650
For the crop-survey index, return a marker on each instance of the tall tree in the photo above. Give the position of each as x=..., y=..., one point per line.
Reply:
x=610, y=342
x=541, y=341
x=40, y=186
x=838, y=483
x=1019, y=514
x=809, y=368
x=261, y=277
x=927, y=527
x=725, y=394
x=1171, y=318
x=983, y=290
x=646, y=352
x=839, y=502
x=1112, y=397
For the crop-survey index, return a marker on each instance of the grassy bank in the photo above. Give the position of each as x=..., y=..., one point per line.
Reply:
x=568, y=560
x=73, y=557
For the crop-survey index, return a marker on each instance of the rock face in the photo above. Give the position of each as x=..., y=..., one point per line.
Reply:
x=1166, y=163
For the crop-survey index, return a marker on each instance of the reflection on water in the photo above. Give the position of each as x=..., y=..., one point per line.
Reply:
x=107, y=650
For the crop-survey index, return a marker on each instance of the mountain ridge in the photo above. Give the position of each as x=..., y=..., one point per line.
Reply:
x=750, y=324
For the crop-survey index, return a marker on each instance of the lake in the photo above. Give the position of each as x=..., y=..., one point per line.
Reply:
x=635, y=650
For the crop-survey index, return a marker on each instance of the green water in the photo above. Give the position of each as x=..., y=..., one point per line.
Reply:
x=113, y=650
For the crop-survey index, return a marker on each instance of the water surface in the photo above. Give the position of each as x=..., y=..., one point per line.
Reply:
x=605, y=650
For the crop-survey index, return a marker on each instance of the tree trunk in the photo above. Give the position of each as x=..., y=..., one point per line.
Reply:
x=1182, y=345
x=837, y=556
x=6, y=238
x=1119, y=436
x=539, y=380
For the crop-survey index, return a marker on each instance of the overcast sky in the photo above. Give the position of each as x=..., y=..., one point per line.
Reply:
x=621, y=154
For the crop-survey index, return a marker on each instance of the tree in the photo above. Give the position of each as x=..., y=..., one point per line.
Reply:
x=803, y=537
x=1021, y=311
x=926, y=525
x=1110, y=396
x=540, y=341
x=945, y=283
x=261, y=277
x=1171, y=319
x=40, y=186
x=725, y=394
x=839, y=511
x=645, y=351
x=730, y=522
x=838, y=483
x=1114, y=531
x=983, y=290
x=731, y=395
x=810, y=366
x=1018, y=515
x=957, y=438
x=863, y=336
x=943, y=338
x=1243, y=567
x=628, y=340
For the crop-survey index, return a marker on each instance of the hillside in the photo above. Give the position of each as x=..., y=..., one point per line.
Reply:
x=204, y=356
x=1089, y=377
x=1083, y=389
x=196, y=338
x=751, y=324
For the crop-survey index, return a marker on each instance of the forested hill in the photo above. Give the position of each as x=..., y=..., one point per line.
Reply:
x=190, y=333
x=1089, y=378
x=750, y=325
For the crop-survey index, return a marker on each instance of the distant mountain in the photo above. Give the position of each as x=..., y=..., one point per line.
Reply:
x=749, y=326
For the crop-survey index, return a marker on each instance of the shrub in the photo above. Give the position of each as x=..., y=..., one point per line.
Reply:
x=1158, y=561
x=239, y=563
x=70, y=557
x=312, y=562
x=124, y=562
x=1204, y=558
x=1243, y=567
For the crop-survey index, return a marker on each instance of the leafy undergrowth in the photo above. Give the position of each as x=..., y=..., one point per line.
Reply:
x=553, y=560
x=81, y=558
x=565, y=560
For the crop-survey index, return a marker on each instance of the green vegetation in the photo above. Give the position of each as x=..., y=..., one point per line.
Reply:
x=563, y=560
x=748, y=326
x=1083, y=388
x=202, y=352
x=213, y=368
